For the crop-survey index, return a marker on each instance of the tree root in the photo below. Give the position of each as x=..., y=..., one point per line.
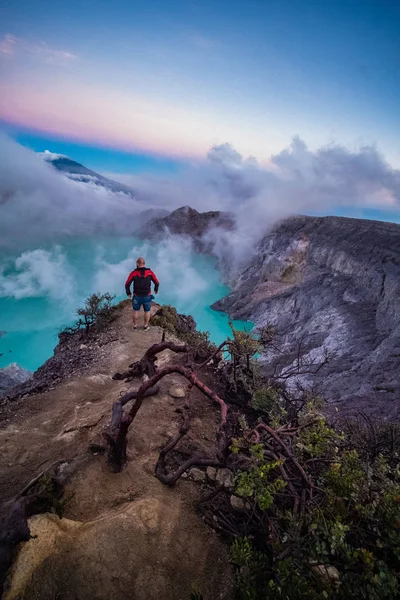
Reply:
x=146, y=365
x=120, y=422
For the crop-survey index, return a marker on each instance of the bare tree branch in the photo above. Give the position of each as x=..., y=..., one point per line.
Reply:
x=120, y=423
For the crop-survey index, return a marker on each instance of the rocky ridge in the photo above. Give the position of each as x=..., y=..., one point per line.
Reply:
x=188, y=221
x=120, y=536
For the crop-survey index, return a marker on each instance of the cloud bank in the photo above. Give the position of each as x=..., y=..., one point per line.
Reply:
x=59, y=277
x=37, y=273
x=300, y=180
x=37, y=203
x=296, y=180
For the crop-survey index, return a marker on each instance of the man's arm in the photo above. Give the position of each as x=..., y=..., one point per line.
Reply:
x=156, y=282
x=128, y=283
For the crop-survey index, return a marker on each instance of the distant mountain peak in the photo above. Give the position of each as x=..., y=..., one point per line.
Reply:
x=78, y=172
x=51, y=156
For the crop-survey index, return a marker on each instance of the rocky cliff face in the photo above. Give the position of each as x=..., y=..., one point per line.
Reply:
x=327, y=285
x=330, y=285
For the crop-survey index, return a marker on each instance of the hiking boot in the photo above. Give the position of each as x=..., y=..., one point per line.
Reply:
x=134, y=328
x=146, y=328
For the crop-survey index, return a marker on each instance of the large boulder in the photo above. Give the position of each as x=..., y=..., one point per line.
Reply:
x=141, y=551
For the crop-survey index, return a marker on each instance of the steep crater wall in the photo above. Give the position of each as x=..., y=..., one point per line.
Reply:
x=331, y=284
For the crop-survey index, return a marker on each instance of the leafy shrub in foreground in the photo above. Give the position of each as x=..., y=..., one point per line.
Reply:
x=343, y=543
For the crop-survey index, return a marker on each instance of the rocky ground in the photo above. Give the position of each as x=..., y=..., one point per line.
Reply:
x=328, y=285
x=122, y=535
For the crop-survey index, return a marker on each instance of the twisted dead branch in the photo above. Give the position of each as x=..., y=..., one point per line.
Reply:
x=116, y=437
x=277, y=442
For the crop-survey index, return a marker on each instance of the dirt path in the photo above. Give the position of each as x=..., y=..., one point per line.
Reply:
x=124, y=535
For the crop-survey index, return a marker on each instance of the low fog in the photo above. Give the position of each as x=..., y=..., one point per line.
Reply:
x=40, y=207
x=295, y=181
x=57, y=274
x=39, y=204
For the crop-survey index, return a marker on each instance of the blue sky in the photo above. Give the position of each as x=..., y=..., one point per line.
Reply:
x=162, y=81
x=98, y=158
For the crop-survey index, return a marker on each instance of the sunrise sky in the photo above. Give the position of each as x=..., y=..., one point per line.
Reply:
x=158, y=82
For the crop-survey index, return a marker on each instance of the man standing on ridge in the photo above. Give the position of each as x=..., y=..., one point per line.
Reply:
x=141, y=278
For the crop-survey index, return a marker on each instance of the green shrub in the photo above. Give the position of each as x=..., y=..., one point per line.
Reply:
x=344, y=542
x=200, y=344
x=167, y=318
x=96, y=313
x=267, y=400
x=184, y=327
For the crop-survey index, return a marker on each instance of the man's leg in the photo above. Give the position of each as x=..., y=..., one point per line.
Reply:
x=146, y=318
x=136, y=308
x=147, y=308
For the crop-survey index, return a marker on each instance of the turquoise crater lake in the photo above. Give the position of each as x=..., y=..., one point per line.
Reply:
x=41, y=289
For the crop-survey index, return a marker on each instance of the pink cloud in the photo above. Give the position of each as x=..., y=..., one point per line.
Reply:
x=7, y=45
x=12, y=46
x=107, y=117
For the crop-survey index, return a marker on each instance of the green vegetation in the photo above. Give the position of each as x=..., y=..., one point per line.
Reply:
x=328, y=509
x=322, y=498
x=97, y=311
x=184, y=327
x=243, y=344
x=199, y=342
x=167, y=318
x=96, y=314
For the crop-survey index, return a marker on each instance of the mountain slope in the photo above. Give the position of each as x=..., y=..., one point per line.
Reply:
x=78, y=172
x=188, y=221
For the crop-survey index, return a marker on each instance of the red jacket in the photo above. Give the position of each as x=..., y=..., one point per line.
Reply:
x=141, y=278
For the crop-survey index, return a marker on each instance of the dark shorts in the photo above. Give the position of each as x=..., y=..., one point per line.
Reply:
x=145, y=301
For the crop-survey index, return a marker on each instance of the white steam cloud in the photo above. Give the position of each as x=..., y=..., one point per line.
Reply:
x=38, y=204
x=296, y=180
x=57, y=276
x=166, y=258
x=37, y=273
